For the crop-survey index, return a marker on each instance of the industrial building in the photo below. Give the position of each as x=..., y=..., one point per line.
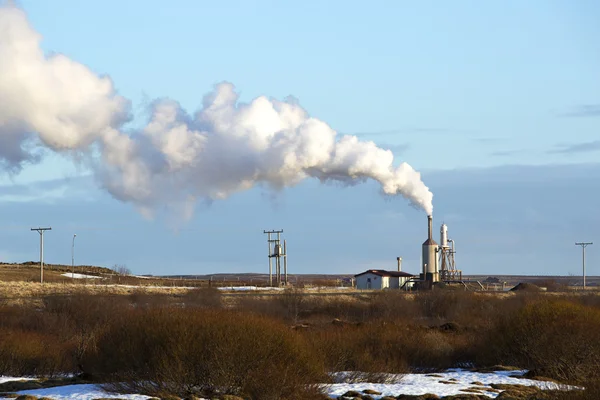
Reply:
x=437, y=263
x=438, y=260
x=381, y=279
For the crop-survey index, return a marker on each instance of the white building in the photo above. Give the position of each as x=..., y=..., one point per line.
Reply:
x=381, y=279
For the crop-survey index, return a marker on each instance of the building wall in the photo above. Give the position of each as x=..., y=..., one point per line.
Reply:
x=379, y=282
x=371, y=281
x=403, y=279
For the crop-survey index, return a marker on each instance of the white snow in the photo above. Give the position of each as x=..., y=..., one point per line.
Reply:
x=418, y=384
x=80, y=392
x=325, y=288
x=412, y=384
x=80, y=276
x=247, y=288
x=13, y=378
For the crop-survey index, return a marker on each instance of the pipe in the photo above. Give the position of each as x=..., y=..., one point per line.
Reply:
x=399, y=263
x=430, y=226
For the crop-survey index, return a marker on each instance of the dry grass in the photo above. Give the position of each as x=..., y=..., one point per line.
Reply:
x=13, y=290
x=74, y=328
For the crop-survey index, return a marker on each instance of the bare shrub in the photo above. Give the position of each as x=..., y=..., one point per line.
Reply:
x=551, y=285
x=25, y=353
x=141, y=298
x=83, y=319
x=292, y=300
x=202, y=352
x=270, y=306
x=121, y=269
x=204, y=297
x=393, y=305
x=591, y=300
x=342, y=307
x=557, y=338
x=373, y=348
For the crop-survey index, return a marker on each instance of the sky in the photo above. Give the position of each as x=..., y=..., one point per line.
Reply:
x=497, y=104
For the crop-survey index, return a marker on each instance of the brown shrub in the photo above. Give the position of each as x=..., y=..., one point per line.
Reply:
x=83, y=319
x=393, y=305
x=195, y=352
x=389, y=347
x=204, y=297
x=31, y=353
x=557, y=338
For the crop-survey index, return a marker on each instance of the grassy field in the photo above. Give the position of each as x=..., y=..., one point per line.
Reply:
x=193, y=338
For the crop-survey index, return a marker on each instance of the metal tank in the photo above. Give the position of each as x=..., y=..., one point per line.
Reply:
x=430, y=256
x=444, y=236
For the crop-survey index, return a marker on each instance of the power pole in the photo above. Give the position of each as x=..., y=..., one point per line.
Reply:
x=277, y=252
x=583, y=246
x=73, y=257
x=41, y=232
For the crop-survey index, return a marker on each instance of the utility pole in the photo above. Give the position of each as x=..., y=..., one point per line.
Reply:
x=41, y=232
x=277, y=251
x=583, y=246
x=73, y=257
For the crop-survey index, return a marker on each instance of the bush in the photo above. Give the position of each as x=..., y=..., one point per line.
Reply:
x=205, y=352
x=25, y=353
x=203, y=297
x=554, y=338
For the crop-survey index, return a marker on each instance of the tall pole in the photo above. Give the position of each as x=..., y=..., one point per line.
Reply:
x=278, y=259
x=285, y=262
x=41, y=232
x=275, y=254
x=270, y=262
x=583, y=246
x=73, y=257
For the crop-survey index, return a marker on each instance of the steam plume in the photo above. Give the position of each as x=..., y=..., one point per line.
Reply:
x=177, y=158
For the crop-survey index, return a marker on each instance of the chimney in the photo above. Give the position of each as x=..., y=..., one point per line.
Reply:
x=430, y=227
x=399, y=263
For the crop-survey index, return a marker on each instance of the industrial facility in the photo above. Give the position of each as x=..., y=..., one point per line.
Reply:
x=437, y=265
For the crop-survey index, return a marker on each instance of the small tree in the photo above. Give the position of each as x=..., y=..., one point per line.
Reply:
x=121, y=269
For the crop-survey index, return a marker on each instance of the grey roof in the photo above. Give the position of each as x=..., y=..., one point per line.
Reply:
x=382, y=272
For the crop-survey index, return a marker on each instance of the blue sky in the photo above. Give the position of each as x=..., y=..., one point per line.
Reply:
x=460, y=90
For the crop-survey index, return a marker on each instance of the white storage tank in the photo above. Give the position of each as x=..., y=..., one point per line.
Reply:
x=444, y=236
x=430, y=256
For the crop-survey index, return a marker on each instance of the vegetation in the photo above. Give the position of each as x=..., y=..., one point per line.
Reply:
x=276, y=347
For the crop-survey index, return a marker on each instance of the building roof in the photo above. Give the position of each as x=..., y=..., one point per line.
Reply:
x=381, y=272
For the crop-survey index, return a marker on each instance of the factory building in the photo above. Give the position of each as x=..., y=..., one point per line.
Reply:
x=438, y=260
x=381, y=279
x=437, y=265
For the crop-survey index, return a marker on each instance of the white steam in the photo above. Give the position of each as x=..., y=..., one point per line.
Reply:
x=177, y=158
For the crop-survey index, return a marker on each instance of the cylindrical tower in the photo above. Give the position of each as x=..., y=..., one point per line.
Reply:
x=430, y=257
x=444, y=236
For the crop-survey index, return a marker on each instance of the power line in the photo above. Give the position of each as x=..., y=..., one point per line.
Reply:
x=277, y=253
x=583, y=246
x=41, y=232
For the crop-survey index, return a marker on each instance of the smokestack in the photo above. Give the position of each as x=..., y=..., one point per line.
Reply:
x=430, y=227
x=399, y=263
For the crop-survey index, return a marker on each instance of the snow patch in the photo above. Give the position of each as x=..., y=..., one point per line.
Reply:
x=80, y=392
x=80, y=276
x=419, y=384
x=412, y=384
